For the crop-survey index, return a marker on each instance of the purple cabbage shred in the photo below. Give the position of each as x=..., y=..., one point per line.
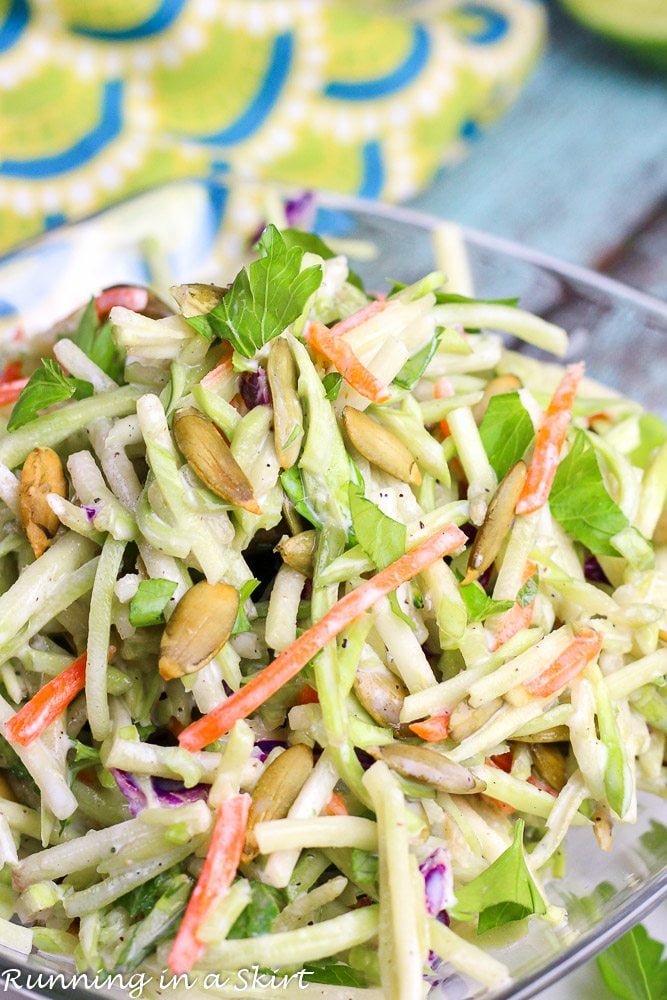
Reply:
x=168, y=793
x=593, y=571
x=438, y=882
x=300, y=211
x=254, y=388
x=90, y=512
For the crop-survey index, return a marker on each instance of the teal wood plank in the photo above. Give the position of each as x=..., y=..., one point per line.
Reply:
x=578, y=164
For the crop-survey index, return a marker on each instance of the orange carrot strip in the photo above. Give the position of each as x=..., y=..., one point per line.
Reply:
x=360, y=316
x=130, y=296
x=222, y=370
x=336, y=806
x=432, y=730
x=549, y=441
x=12, y=371
x=10, y=391
x=286, y=666
x=542, y=785
x=441, y=390
x=308, y=696
x=216, y=876
x=502, y=807
x=516, y=618
x=584, y=648
x=338, y=352
x=50, y=701
x=503, y=761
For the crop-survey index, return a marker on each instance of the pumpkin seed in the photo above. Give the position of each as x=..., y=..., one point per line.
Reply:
x=380, y=446
x=429, y=768
x=287, y=411
x=497, y=523
x=466, y=720
x=381, y=694
x=197, y=299
x=201, y=624
x=299, y=551
x=42, y=474
x=276, y=790
x=557, y=734
x=207, y=452
x=550, y=764
x=496, y=387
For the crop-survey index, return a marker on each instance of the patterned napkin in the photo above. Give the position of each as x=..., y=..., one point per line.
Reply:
x=100, y=99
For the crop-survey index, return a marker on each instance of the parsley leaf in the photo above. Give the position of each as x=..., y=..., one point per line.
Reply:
x=332, y=383
x=381, y=538
x=478, y=605
x=504, y=892
x=258, y=916
x=265, y=297
x=580, y=503
x=652, y=433
x=328, y=971
x=242, y=623
x=506, y=431
x=414, y=367
x=97, y=342
x=528, y=592
x=148, y=604
x=292, y=483
x=312, y=243
x=633, y=967
x=47, y=385
x=364, y=866
x=140, y=901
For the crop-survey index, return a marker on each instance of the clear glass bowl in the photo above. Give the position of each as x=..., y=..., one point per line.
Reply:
x=194, y=231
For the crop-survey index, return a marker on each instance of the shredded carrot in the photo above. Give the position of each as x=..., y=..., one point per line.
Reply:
x=543, y=786
x=549, y=441
x=337, y=351
x=336, y=806
x=12, y=371
x=223, y=369
x=503, y=761
x=130, y=296
x=432, y=730
x=293, y=659
x=10, y=391
x=50, y=701
x=503, y=807
x=442, y=389
x=511, y=622
x=584, y=648
x=217, y=874
x=360, y=316
x=308, y=696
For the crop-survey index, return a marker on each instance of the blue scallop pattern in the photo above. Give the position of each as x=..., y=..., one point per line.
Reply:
x=159, y=20
x=494, y=24
x=373, y=171
x=14, y=24
x=107, y=129
x=384, y=86
x=263, y=102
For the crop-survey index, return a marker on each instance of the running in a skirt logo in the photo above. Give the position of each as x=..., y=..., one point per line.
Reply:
x=139, y=984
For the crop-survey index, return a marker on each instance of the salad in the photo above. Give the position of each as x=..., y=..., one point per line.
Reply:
x=324, y=615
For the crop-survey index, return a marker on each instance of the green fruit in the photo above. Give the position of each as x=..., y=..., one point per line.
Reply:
x=640, y=25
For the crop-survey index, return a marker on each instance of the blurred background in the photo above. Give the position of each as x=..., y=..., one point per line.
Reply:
x=542, y=122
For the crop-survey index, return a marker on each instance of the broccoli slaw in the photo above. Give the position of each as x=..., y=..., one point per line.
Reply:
x=324, y=615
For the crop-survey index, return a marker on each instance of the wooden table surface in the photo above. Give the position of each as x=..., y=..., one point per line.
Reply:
x=578, y=168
